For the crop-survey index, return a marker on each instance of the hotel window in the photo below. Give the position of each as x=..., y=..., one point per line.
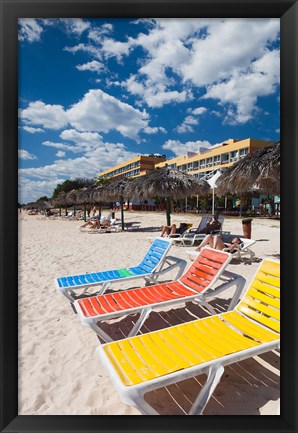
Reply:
x=189, y=166
x=183, y=167
x=234, y=156
x=195, y=165
x=243, y=152
x=173, y=165
x=225, y=158
x=209, y=162
x=216, y=160
x=202, y=174
x=202, y=163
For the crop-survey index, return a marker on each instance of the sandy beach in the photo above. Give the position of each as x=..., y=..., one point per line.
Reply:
x=59, y=371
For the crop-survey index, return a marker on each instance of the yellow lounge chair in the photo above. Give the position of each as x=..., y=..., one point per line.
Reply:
x=143, y=363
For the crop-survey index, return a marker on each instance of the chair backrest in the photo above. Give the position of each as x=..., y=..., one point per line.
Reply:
x=157, y=251
x=206, y=269
x=203, y=223
x=262, y=298
x=205, y=219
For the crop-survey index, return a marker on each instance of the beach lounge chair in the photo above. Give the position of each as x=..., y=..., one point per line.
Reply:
x=157, y=359
x=188, y=228
x=238, y=254
x=245, y=250
x=193, y=235
x=197, y=283
x=150, y=268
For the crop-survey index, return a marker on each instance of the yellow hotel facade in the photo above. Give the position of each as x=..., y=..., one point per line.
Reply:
x=200, y=163
x=219, y=156
x=137, y=166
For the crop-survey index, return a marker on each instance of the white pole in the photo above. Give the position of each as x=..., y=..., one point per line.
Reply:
x=212, y=200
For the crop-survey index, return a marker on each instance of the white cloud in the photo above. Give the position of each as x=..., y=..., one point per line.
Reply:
x=80, y=142
x=113, y=48
x=25, y=155
x=179, y=148
x=93, y=66
x=48, y=116
x=202, y=52
x=230, y=46
x=154, y=130
x=36, y=182
x=96, y=34
x=87, y=48
x=60, y=154
x=29, y=30
x=32, y=130
x=96, y=111
x=154, y=95
x=243, y=89
x=63, y=146
x=75, y=26
x=186, y=125
x=198, y=111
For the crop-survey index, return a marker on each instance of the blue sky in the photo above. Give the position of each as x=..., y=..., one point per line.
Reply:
x=96, y=92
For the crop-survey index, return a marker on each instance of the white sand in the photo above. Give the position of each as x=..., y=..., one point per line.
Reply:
x=59, y=372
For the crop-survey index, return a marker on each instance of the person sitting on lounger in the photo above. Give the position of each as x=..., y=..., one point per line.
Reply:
x=217, y=243
x=101, y=221
x=213, y=226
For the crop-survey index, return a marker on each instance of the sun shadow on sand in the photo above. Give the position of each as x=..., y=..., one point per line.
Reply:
x=244, y=388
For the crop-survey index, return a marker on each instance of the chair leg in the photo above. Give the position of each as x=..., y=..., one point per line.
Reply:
x=139, y=323
x=206, y=392
x=100, y=332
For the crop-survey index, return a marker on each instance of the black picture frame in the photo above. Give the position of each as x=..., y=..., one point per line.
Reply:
x=10, y=11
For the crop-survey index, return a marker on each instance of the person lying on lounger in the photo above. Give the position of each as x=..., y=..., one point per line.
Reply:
x=172, y=229
x=215, y=242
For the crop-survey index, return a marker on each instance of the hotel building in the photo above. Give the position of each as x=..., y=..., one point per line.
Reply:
x=137, y=166
x=202, y=163
x=219, y=156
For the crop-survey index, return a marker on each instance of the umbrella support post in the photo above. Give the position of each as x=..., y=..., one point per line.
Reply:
x=122, y=213
x=168, y=210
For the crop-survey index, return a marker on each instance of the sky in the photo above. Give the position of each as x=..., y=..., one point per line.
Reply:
x=97, y=92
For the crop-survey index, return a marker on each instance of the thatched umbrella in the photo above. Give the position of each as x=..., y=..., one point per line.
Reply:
x=71, y=198
x=167, y=183
x=60, y=201
x=116, y=190
x=257, y=170
x=84, y=196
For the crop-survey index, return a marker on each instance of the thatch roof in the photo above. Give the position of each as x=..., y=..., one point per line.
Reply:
x=71, y=197
x=85, y=195
x=259, y=170
x=115, y=190
x=167, y=182
x=60, y=199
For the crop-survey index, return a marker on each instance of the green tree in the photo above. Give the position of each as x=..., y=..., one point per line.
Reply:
x=69, y=184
